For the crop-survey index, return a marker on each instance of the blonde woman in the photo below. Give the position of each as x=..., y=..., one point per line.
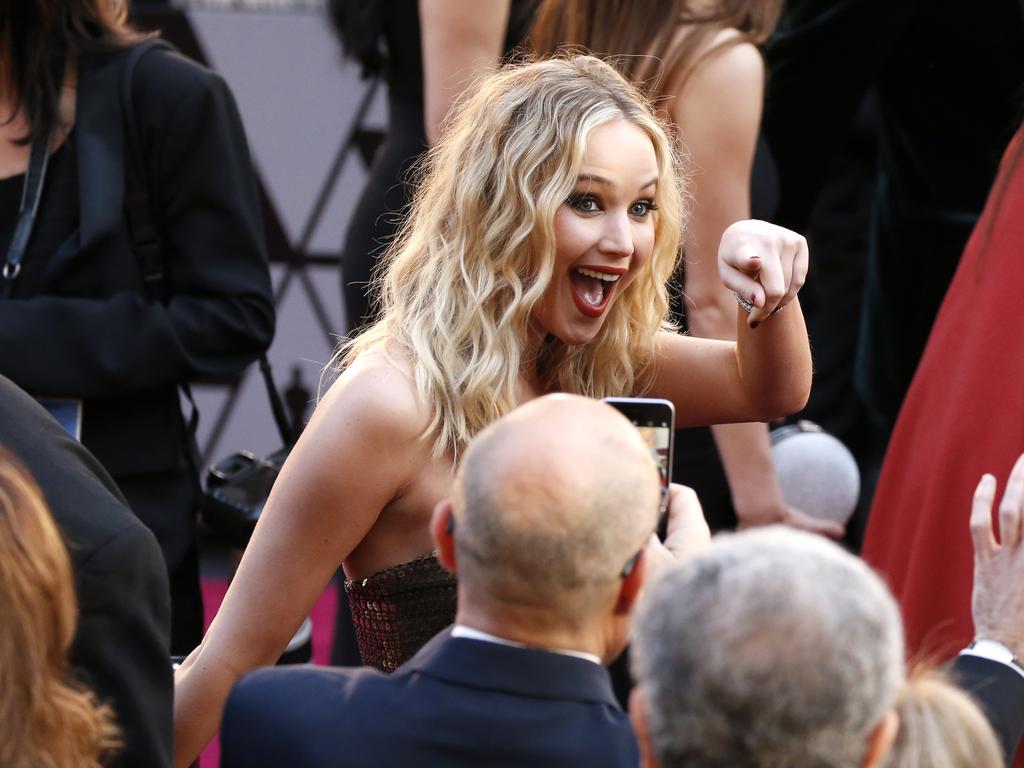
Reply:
x=699, y=60
x=941, y=727
x=45, y=717
x=534, y=260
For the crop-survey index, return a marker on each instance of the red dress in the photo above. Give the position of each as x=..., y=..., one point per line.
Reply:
x=963, y=416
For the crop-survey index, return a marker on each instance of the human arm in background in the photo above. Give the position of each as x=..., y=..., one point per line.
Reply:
x=718, y=110
x=997, y=608
x=105, y=341
x=461, y=39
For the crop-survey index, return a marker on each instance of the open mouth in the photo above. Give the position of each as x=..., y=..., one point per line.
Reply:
x=592, y=288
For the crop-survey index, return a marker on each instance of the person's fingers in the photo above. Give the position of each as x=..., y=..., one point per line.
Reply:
x=981, y=517
x=687, y=532
x=740, y=277
x=787, y=253
x=797, y=519
x=1010, y=506
x=797, y=271
x=772, y=279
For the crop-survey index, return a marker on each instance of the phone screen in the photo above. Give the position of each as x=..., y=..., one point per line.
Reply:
x=655, y=419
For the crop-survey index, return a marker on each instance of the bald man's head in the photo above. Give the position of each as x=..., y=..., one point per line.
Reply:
x=550, y=503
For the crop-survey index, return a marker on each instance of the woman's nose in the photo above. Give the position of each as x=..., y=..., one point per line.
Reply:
x=617, y=238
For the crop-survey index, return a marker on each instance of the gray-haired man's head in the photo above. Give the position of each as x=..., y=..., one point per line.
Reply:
x=774, y=649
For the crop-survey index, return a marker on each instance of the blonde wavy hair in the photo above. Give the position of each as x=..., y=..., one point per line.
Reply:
x=941, y=726
x=46, y=718
x=459, y=283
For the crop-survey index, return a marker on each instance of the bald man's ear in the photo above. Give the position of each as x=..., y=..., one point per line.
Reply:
x=632, y=584
x=638, y=719
x=881, y=739
x=442, y=528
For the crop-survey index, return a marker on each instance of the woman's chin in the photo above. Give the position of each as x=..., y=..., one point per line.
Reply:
x=576, y=335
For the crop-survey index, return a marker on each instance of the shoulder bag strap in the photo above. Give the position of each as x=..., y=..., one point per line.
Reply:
x=146, y=236
x=31, y=194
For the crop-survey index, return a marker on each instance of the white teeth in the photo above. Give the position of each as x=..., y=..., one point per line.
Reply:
x=597, y=275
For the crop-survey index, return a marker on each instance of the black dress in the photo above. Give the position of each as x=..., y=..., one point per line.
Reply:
x=388, y=191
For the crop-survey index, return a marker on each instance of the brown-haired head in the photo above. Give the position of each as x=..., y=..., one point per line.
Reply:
x=38, y=37
x=45, y=718
x=646, y=41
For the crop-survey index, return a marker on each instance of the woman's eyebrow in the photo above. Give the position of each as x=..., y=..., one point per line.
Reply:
x=594, y=178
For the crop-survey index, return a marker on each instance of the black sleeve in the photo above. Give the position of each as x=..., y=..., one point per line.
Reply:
x=121, y=646
x=1000, y=690
x=219, y=315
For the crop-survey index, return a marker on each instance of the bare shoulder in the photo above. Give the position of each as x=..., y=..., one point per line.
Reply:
x=728, y=74
x=372, y=418
x=376, y=396
x=727, y=57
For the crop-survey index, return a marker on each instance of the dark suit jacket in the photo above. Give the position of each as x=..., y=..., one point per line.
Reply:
x=121, y=645
x=80, y=323
x=1000, y=691
x=458, y=702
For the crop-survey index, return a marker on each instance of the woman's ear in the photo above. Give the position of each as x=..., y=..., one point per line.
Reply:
x=442, y=528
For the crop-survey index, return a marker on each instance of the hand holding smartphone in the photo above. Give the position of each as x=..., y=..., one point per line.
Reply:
x=655, y=418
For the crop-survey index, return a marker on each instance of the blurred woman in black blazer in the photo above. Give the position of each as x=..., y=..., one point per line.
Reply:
x=84, y=325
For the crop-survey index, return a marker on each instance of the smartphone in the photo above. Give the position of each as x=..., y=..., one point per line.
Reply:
x=655, y=418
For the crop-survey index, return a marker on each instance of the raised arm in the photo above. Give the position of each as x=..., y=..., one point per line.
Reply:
x=359, y=450
x=766, y=373
x=997, y=608
x=719, y=113
x=460, y=40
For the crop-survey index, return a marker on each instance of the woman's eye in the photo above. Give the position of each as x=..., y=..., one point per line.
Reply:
x=642, y=207
x=584, y=203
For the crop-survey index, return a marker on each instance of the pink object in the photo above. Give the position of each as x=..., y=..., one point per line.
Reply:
x=323, y=635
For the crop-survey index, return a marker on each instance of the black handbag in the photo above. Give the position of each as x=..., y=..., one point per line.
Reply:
x=238, y=486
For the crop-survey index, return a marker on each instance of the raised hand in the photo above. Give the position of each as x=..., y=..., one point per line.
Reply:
x=688, y=534
x=997, y=602
x=763, y=264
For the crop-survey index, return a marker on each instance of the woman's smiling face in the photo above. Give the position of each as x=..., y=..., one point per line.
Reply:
x=604, y=232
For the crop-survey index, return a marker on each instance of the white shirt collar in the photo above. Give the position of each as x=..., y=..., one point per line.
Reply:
x=468, y=633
